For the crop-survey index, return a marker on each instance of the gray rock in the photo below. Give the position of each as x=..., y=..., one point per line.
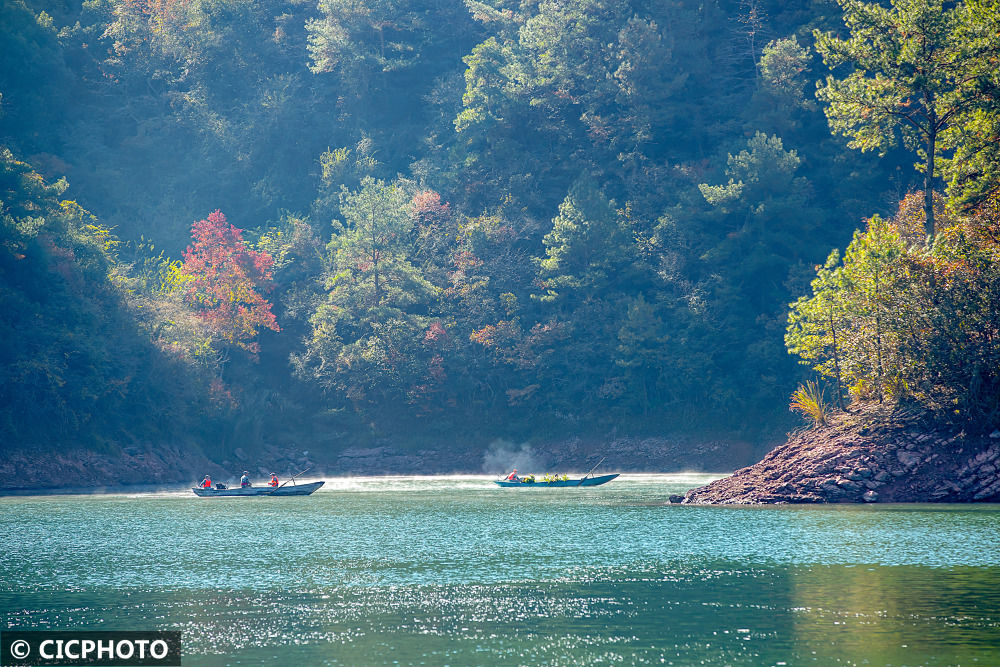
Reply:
x=881, y=476
x=676, y=498
x=908, y=459
x=995, y=434
x=870, y=496
x=988, y=492
x=848, y=485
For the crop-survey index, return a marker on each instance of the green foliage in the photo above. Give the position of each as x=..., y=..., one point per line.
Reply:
x=585, y=215
x=849, y=329
x=366, y=339
x=380, y=35
x=763, y=168
x=918, y=67
x=589, y=246
x=75, y=368
x=33, y=76
x=783, y=67
x=895, y=321
x=973, y=170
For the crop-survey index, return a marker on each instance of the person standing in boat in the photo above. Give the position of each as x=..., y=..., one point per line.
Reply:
x=512, y=477
x=274, y=480
x=245, y=479
x=206, y=483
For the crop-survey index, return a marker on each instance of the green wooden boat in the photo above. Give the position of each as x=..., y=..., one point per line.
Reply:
x=585, y=481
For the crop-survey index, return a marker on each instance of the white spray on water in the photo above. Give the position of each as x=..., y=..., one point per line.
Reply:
x=502, y=456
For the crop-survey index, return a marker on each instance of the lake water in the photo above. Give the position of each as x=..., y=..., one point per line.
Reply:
x=454, y=570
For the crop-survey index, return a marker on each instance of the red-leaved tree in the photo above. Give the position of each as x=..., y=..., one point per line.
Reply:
x=227, y=281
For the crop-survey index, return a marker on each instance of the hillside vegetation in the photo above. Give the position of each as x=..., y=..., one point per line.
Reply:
x=337, y=222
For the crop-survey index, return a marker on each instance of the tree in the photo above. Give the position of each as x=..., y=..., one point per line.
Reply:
x=898, y=320
x=815, y=322
x=370, y=251
x=850, y=328
x=973, y=171
x=368, y=337
x=918, y=66
x=226, y=281
x=783, y=66
x=643, y=353
x=377, y=36
x=589, y=247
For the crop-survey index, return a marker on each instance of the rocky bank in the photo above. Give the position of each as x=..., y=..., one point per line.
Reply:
x=867, y=456
x=78, y=468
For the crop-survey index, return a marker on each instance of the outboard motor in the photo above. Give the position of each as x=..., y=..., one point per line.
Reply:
x=220, y=486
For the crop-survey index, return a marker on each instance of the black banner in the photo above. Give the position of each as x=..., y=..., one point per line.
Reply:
x=89, y=648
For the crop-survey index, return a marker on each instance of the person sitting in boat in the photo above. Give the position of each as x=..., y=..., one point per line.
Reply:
x=274, y=480
x=206, y=483
x=512, y=477
x=245, y=479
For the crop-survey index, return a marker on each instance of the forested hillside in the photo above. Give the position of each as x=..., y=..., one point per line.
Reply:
x=338, y=221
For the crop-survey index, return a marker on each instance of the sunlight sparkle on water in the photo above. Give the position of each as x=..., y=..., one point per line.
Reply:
x=409, y=570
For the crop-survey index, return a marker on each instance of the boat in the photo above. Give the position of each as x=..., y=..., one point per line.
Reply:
x=585, y=481
x=294, y=490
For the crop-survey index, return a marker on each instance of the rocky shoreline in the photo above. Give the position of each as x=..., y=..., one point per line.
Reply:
x=867, y=456
x=176, y=465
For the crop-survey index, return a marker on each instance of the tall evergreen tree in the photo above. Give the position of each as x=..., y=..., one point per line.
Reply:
x=917, y=67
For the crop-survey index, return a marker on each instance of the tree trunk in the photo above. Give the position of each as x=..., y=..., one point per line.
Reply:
x=929, y=185
x=836, y=363
x=878, y=332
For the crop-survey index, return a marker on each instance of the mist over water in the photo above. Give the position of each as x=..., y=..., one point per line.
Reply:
x=501, y=456
x=455, y=570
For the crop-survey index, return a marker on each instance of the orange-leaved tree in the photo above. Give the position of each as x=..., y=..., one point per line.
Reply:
x=227, y=280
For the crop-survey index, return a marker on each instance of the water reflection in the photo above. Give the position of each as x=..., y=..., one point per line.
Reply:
x=899, y=614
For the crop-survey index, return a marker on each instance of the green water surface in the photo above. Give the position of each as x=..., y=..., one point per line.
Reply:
x=454, y=570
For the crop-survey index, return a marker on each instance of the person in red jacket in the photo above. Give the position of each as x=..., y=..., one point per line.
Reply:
x=274, y=480
x=206, y=483
x=513, y=476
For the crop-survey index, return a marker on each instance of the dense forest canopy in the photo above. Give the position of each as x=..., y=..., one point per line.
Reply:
x=340, y=220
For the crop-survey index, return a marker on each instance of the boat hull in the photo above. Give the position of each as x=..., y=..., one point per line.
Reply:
x=247, y=491
x=587, y=481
